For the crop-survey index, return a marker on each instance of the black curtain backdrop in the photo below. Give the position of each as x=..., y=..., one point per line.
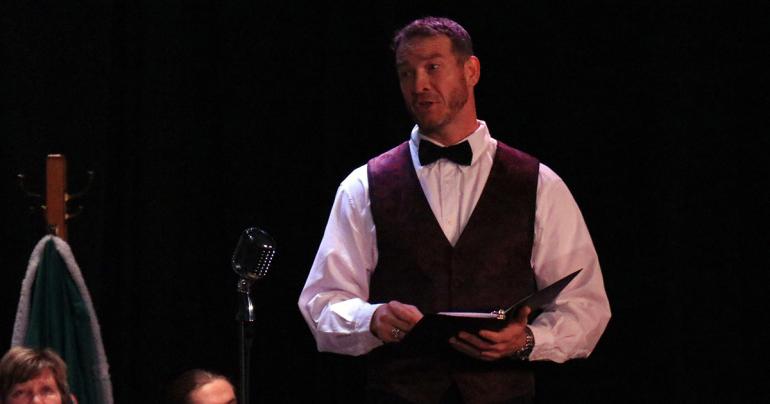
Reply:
x=202, y=118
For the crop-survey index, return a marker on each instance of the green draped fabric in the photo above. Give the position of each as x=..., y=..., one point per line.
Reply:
x=59, y=319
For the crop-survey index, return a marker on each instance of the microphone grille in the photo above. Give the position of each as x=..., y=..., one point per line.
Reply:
x=254, y=254
x=264, y=261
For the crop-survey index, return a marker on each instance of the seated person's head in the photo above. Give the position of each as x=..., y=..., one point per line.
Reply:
x=26, y=374
x=199, y=386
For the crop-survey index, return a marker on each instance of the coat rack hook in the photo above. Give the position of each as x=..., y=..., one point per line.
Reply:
x=22, y=184
x=56, y=195
x=85, y=191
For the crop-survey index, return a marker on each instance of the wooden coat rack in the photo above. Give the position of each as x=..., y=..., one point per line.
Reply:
x=56, y=195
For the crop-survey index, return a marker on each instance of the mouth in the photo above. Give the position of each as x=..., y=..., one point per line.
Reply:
x=423, y=105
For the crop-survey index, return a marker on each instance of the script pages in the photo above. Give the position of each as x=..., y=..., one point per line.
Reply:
x=437, y=328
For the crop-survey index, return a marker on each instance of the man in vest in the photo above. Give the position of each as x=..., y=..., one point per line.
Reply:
x=451, y=220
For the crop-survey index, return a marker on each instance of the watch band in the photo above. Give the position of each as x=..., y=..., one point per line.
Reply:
x=529, y=343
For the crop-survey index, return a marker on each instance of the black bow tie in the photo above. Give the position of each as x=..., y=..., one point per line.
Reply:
x=460, y=153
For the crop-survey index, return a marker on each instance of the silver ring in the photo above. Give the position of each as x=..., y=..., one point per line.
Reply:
x=396, y=333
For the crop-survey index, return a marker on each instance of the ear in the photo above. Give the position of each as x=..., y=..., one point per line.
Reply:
x=472, y=70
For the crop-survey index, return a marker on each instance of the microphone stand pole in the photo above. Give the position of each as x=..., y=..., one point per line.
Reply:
x=245, y=319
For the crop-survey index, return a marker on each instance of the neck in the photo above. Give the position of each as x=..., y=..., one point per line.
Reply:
x=452, y=135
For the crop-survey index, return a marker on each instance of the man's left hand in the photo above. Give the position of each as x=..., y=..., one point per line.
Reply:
x=490, y=345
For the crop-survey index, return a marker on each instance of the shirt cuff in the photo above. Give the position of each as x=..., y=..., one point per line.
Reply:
x=544, y=343
x=364, y=320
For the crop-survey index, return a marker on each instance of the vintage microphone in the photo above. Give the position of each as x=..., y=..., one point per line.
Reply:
x=251, y=260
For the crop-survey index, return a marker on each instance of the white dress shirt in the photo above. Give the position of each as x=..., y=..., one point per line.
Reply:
x=334, y=301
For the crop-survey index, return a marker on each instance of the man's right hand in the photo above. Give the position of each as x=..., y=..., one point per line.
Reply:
x=391, y=321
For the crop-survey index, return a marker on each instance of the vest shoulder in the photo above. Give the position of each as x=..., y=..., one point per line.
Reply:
x=386, y=160
x=515, y=153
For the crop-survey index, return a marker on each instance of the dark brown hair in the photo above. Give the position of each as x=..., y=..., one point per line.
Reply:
x=21, y=364
x=462, y=45
x=189, y=381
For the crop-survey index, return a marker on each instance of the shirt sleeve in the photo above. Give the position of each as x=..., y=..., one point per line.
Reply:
x=571, y=327
x=334, y=299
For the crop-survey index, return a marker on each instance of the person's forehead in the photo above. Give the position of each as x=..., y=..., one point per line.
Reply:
x=218, y=391
x=44, y=378
x=424, y=47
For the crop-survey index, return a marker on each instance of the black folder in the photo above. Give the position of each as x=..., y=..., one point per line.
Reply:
x=437, y=328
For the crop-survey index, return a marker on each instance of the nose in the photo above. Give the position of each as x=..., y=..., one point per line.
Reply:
x=421, y=82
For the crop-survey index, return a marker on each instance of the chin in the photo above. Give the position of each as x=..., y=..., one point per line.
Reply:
x=430, y=126
x=427, y=124
x=426, y=128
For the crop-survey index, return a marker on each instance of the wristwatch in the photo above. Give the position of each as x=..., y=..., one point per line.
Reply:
x=529, y=343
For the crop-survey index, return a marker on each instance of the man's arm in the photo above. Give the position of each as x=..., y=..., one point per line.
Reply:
x=334, y=299
x=571, y=327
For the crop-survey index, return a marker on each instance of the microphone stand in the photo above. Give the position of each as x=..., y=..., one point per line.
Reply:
x=251, y=260
x=245, y=319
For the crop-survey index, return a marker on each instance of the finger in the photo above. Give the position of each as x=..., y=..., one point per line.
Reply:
x=508, y=333
x=388, y=332
x=523, y=314
x=465, y=348
x=397, y=329
x=384, y=324
x=395, y=334
x=403, y=326
x=406, y=312
x=503, y=335
x=392, y=321
x=493, y=337
x=391, y=333
x=474, y=340
x=491, y=355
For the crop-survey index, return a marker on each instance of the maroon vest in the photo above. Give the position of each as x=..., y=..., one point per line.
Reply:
x=488, y=268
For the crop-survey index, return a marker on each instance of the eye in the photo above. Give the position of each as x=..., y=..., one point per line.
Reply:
x=433, y=67
x=18, y=394
x=404, y=74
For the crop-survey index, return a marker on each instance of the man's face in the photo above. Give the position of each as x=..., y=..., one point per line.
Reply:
x=41, y=389
x=219, y=391
x=433, y=81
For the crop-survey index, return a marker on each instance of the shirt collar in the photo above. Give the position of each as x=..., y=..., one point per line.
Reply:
x=479, y=140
